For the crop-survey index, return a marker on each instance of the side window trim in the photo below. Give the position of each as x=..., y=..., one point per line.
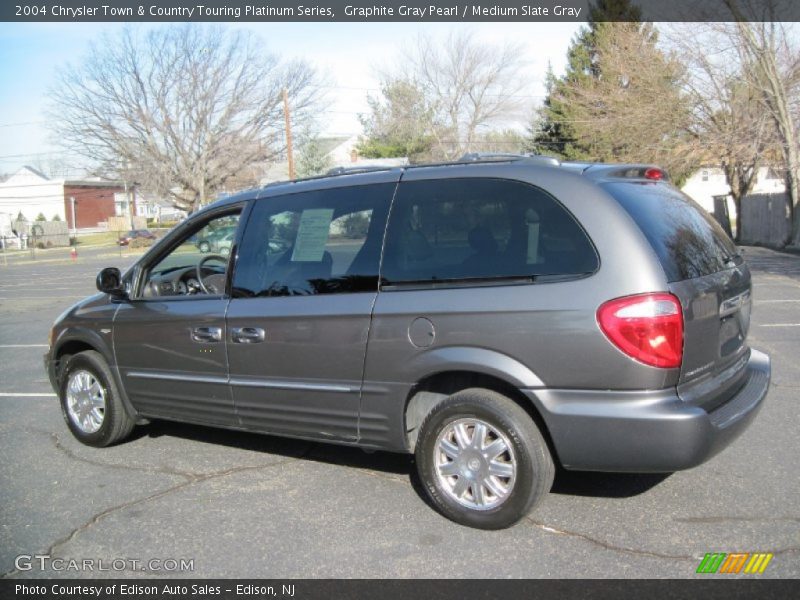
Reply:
x=175, y=239
x=244, y=220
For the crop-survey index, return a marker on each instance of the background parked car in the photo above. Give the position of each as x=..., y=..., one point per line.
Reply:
x=218, y=241
x=135, y=234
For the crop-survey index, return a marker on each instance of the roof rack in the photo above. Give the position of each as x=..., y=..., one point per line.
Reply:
x=351, y=170
x=470, y=157
x=504, y=156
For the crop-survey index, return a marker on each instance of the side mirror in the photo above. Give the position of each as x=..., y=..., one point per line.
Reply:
x=109, y=281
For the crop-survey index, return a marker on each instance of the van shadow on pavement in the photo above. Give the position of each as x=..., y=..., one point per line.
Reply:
x=570, y=483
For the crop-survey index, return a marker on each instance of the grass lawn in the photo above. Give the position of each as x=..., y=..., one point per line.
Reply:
x=108, y=238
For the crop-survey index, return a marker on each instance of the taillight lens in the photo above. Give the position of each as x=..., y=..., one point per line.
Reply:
x=646, y=327
x=654, y=174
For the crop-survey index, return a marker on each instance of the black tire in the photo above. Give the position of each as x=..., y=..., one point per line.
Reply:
x=534, y=465
x=116, y=424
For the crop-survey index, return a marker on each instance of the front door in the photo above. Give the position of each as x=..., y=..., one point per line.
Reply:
x=169, y=339
x=298, y=321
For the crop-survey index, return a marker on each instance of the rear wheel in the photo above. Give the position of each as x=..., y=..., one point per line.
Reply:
x=482, y=459
x=90, y=401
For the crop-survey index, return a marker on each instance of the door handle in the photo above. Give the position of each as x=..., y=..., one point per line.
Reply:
x=247, y=335
x=207, y=335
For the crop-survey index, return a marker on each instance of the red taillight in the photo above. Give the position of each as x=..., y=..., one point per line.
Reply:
x=647, y=327
x=654, y=174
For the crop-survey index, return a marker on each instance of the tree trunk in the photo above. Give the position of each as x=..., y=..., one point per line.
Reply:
x=737, y=203
x=793, y=189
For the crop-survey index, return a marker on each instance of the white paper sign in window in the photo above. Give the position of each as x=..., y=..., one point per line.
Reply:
x=532, y=219
x=312, y=235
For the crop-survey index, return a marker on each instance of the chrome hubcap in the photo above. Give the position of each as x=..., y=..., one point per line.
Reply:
x=86, y=401
x=475, y=464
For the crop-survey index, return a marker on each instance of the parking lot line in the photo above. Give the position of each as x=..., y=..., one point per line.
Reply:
x=37, y=297
x=26, y=395
x=778, y=324
x=23, y=346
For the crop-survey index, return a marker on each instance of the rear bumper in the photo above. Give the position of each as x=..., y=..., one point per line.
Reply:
x=649, y=431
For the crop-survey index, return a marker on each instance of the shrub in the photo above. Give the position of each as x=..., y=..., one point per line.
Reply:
x=140, y=243
x=356, y=225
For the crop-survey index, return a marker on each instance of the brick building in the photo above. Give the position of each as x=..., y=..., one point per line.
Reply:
x=95, y=202
x=32, y=193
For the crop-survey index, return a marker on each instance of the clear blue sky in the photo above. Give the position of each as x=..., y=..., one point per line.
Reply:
x=348, y=53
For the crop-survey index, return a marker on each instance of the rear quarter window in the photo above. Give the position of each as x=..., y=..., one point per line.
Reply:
x=689, y=243
x=468, y=229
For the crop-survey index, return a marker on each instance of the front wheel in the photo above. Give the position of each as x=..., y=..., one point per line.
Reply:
x=482, y=460
x=90, y=401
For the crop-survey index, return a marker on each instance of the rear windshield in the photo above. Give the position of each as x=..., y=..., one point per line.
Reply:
x=688, y=241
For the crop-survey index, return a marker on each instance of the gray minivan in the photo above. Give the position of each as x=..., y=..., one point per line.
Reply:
x=492, y=317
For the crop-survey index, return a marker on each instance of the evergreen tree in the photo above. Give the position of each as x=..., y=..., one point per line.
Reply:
x=312, y=159
x=550, y=131
x=547, y=132
x=620, y=100
x=399, y=124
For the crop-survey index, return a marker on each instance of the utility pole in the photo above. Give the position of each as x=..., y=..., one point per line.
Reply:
x=74, y=224
x=128, y=202
x=288, y=121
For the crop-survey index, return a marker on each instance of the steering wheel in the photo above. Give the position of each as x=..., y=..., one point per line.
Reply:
x=214, y=283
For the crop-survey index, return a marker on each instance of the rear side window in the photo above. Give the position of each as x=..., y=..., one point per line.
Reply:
x=463, y=229
x=689, y=243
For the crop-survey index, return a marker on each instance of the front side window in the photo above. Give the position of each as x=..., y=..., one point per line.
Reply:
x=462, y=229
x=197, y=265
x=321, y=242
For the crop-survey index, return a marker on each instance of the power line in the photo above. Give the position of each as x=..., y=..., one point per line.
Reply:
x=21, y=123
x=78, y=194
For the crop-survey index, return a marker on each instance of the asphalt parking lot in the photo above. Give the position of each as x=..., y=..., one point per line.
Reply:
x=242, y=505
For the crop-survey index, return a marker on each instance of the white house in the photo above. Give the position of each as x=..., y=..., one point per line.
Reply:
x=30, y=192
x=152, y=206
x=708, y=182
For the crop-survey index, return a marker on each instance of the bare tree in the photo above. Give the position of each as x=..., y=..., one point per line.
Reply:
x=500, y=141
x=758, y=60
x=773, y=70
x=465, y=86
x=729, y=126
x=51, y=165
x=183, y=110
